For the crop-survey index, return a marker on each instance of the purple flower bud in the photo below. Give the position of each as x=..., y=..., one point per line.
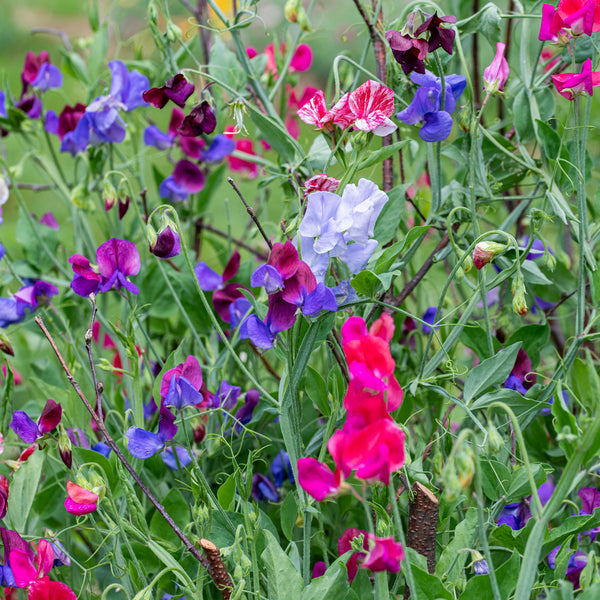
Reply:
x=167, y=243
x=202, y=119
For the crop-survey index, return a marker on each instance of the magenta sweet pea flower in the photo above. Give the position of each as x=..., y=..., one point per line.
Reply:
x=385, y=554
x=118, y=259
x=569, y=18
x=570, y=85
x=44, y=589
x=495, y=76
x=27, y=569
x=301, y=59
x=317, y=479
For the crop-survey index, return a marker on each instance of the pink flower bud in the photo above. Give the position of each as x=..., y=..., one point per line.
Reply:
x=494, y=77
x=486, y=251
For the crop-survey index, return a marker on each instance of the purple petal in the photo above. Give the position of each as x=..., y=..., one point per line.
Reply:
x=281, y=468
x=183, y=454
x=263, y=489
x=209, y=280
x=118, y=255
x=143, y=444
x=281, y=315
x=321, y=298
x=153, y=136
x=182, y=393
x=49, y=220
x=189, y=176
x=238, y=309
x=172, y=191
x=226, y=396
x=102, y=448
x=11, y=311
x=25, y=427
x=437, y=127
x=50, y=122
x=257, y=332
x=243, y=416
x=267, y=277
x=220, y=147
x=49, y=76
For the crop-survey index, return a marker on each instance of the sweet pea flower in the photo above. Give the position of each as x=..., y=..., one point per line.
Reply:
x=427, y=105
x=4, y=493
x=570, y=85
x=321, y=183
x=317, y=479
x=28, y=430
x=45, y=589
x=570, y=17
x=495, y=76
x=371, y=105
x=409, y=52
x=385, y=554
x=80, y=501
x=202, y=119
x=438, y=36
x=263, y=489
x=40, y=73
x=521, y=377
x=281, y=468
x=167, y=243
x=177, y=89
x=144, y=444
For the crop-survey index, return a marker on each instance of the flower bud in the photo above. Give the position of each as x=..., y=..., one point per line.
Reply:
x=291, y=11
x=518, y=289
x=172, y=32
x=110, y=195
x=465, y=466
x=152, y=14
x=486, y=251
x=480, y=565
x=5, y=345
x=199, y=430
x=167, y=243
x=98, y=485
x=64, y=447
x=549, y=261
x=495, y=76
x=494, y=442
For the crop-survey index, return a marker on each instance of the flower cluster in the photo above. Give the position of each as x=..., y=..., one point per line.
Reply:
x=290, y=284
x=410, y=50
x=341, y=227
x=368, y=108
x=12, y=308
x=370, y=442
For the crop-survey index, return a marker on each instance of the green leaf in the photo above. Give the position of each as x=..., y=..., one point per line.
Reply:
x=452, y=561
x=275, y=135
x=319, y=154
x=226, y=493
x=333, y=584
x=565, y=592
x=23, y=489
x=224, y=66
x=479, y=587
x=289, y=514
x=75, y=66
x=486, y=21
x=391, y=215
x=490, y=372
x=562, y=559
x=316, y=388
x=97, y=56
x=178, y=507
x=520, y=485
x=380, y=155
x=534, y=338
x=474, y=337
x=39, y=243
x=6, y=406
x=213, y=181
x=368, y=283
x=389, y=255
x=570, y=526
x=550, y=140
x=495, y=478
x=520, y=405
x=429, y=587
x=283, y=580
x=564, y=423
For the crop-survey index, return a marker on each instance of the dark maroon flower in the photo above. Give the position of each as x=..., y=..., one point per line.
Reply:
x=177, y=89
x=167, y=243
x=438, y=35
x=201, y=120
x=3, y=496
x=189, y=176
x=408, y=52
x=68, y=119
x=32, y=105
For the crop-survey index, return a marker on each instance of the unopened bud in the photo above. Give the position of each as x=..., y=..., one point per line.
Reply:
x=494, y=441
x=110, y=194
x=518, y=289
x=291, y=11
x=172, y=32
x=485, y=251
x=152, y=14
x=199, y=430
x=98, y=485
x=5, y=345
x=465, y=466
x=549, y=260
x=64, y=446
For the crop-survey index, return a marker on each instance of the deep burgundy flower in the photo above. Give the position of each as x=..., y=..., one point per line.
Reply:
x=68, y=119
x=202, y=119
x=167, y=243
x=408, y=52
x=188, y=176
x=177, y=89
x=438, y=35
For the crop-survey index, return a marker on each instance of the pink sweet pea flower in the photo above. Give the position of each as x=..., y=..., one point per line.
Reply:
x=371, y=105
x=313, y=111
x=495, y=76
x=302, y=58
x=574, y=17
x=80, y=501
x=571, y=84
x=317, y=479
x=345, y=543
x=44, y=589
x=25, y=569
x=384, y=555
x=241, y=164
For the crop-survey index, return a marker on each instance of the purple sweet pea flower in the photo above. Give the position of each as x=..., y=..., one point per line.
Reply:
x=281, y=316
x=118, y=259
x=28, y=430
x=263, y=489
x=177, y=89
x=153, y=136
x=31, y=105
x=244, y=414
x=11, y=311
x=184, y=457
x=3, y=111
x=144, y=444
x=49, y=220
x=516, y=515
x=202, y=119
x=60, y=555
x=182, y=393
x=102, y=448
x=281, y=468
x=189, y=176
x=226, y=396
x=51, y=122
x=238, y=310
x=344, y=293
x=49, y=76
x=171, y=191
x=102, y=121
x=427, y=105
x=521, y=377
x=167, y=243
x=430, y=316
x=220, y=147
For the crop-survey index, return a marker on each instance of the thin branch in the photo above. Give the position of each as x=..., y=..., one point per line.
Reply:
x=251, y=212
x=34, y=187
x=258, y=253
x=61, y=34
x=218, y=579
x=89, y=334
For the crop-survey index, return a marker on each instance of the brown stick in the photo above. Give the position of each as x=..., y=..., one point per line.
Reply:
x=422, y=525
x=251, y=212
x=111, y=443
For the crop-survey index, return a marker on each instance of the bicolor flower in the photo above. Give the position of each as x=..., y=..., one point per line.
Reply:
x=40, y=73
x=80, y=501
x=570, y=17
x=426, y=106
x=28, y=430
x=570, y=85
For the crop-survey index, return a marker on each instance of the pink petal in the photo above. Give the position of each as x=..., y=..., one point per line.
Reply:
x=79, y=509
x=22, y=567
x=45, y=558
x=302, y=58
x=316, y=478
x=44, y=589
x=80, y=495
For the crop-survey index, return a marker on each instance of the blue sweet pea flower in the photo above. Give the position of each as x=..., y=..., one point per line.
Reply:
x=426, y=106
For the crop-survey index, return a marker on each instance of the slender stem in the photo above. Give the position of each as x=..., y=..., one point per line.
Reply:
x=113, y=446
x=251, y=212
x=89, y=334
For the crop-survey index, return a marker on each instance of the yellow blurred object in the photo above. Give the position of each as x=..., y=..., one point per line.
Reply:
x=225, y=5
